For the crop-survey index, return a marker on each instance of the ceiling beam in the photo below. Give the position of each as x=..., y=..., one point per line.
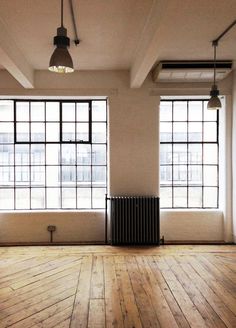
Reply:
x=13, y=60
x=151, y=40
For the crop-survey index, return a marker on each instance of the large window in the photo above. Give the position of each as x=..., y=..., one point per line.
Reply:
x=188, y=154
x=53, y=154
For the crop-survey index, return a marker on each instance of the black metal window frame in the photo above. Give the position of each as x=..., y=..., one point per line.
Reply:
x=187, y=143
x=60, y=120
x=60, y=143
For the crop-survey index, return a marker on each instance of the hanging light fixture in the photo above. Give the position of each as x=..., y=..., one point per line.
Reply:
x=214, y=102
x=61, y=61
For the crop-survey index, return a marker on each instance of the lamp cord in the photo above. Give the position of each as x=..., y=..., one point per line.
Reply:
x=62, y=13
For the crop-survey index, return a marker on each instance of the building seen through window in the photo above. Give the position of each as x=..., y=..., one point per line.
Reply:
x=188, y=154
x=52, y=154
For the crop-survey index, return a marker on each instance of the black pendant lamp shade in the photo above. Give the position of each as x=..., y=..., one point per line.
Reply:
x=214, y=103
x=61, y=61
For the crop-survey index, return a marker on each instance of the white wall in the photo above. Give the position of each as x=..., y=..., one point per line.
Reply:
x=133, y=158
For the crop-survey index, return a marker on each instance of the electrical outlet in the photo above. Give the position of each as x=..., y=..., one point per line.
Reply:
x=51, y=228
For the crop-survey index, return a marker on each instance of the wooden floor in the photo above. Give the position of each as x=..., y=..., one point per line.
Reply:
x=103, y=286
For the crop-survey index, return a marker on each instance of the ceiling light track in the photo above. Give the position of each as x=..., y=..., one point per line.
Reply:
x=214, y=102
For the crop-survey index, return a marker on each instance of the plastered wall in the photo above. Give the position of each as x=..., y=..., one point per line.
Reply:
x=133, y=159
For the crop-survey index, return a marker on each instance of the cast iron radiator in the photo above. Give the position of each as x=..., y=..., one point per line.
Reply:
x=135, y=220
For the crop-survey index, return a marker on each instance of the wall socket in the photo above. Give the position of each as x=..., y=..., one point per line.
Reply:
x=51, y=228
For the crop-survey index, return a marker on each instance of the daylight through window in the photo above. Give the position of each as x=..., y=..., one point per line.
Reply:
x=188, y=154
x=53, y=154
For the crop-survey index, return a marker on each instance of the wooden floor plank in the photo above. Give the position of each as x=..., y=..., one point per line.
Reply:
x=184, y=286
x=172, y=303
x=146, y=309
x=215, y=285
x=96, y=318
x=113, y=310
x=190, y=311
x=81, y=303
x=128, y=304
x=210, y=316
x=213, y=299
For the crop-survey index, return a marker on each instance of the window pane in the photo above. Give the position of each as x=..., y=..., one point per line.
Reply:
x=68, y=175
x=166, y=175
x=210, y=197
x=166, y=111
x=6, y=110
x=82, y=131
x=165, y=154
x=37, y=111
x=83, y=198
x=68, y=198
x=195, y=174
x=52, y=154
x=22, y=176
x=53, y=197
x=166, y=132
x=180, y=110
x=209, y=115
x=98, y=197
x=210, y=175
x=52, y=111
x=22, y=198
x=68, y=131
x=210, y=132
x=6, y=155
x=180, y=154
x=84, y=176
x=166, y=197
x=52, y=176
x=210, y=154
x=99, y=154
x=180, y=197
x=68, y=154
x=180, y=174
x=99, y=132
x=180, y=131
x=195, y=197
x=22, y=132
x=6, y=176
x=194, y=154
x=22, y=111
x=21, y=154
x=6, y=199
x=195, y=111
x=83, y=154
x=37, y=198
x=37, y=154
x=68, y=112
x=195, y=131
x=82, y=112
x=52, y=132
x=99, y=110
x=99, y=176
x=38, y=176
x=37, y=132
x=6, y=132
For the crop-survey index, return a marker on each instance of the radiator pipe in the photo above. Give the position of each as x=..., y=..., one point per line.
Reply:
x=106, y=198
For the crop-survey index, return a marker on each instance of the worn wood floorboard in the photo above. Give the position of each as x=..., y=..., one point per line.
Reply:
x=125, y=287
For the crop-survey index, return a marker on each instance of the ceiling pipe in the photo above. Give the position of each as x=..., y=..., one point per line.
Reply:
x=76, y=40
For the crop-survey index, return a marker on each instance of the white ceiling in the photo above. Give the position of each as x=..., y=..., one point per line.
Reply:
x=119, y=34
x=109, y=30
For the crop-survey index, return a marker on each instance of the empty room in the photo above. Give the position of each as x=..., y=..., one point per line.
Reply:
x=117, y=163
